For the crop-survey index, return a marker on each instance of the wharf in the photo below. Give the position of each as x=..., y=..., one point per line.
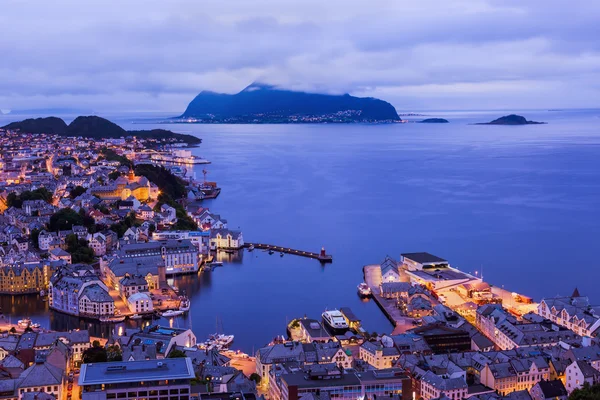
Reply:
x=372, y=274
x=322, y=257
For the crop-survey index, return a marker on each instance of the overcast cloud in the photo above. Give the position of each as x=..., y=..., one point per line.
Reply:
x=425, y=54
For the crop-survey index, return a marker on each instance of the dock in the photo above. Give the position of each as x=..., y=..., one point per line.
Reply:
x=322, y=256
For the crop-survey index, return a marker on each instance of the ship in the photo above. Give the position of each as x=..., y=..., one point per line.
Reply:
x=185, y=305
x=24, y=323
x=364, y=290
x=335, y=322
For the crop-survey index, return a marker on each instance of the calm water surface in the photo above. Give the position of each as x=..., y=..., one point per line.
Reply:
x=518, y=203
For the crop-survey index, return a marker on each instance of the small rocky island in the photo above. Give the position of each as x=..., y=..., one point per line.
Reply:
x=511, y=119
x=434, y=121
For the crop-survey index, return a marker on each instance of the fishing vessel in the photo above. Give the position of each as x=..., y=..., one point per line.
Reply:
x=335, y=321
x=171, y=313
x=364, y=290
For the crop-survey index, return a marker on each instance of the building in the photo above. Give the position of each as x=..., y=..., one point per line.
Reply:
x=444, y=339
x=123, y=187
x=131, y=284
x=508, y=333
x=549, y=390
x=378, y=356
x=41, y=377
x=313, y=331
x=421, y=261
x=27, y=277
x=78, y=290
x=60, y=254
x=163, y=338
x=179, y=256
x=140, y=303
x=226, y=239
x=434, y=386
x=389, y=270
x=580, y=373
x=165, y=379
x=151, y=268
x=574, y=312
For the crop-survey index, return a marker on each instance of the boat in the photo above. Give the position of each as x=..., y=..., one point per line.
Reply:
x=335, y=321
x=217, y=341
x=136, y=316
x=216, y=264
x=281, y=254
x=184, y=305
x=171, y=313
x=251, y=247
x=35, y=326
x=42, y=292
x=364, y=290
x=24, y=323
x=114, y=319
x=271, y=252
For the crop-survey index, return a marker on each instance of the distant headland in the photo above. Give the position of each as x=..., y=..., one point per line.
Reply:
x=266, y=104
x=94, y=127
x=511, y=119
x=434, y=121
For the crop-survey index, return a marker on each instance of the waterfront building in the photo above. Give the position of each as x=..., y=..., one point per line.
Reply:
x=226, y=239
x=421, y=261
x=140, y=303
x=312, y=330
x=517, y=373
x=165, y=379
x=163, y=338
x=574, y=312
x=26, y=277
x=389, y=270
x=179, y=256
x=507, y=332
x=77, y=290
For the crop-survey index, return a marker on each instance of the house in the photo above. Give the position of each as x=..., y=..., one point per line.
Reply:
x=60, y=254
x=140, y=302
x=574, y=312
x=131, y=284
x=549, y=390
x=41, y=377
x=395, y=290
x=80, y=231
x=389, y=270
x=377, y=355
x=313, y=331
x=21, y=243
x=579, y=373
x=169, y=214
x=434, y=386
x=97, y=242
x=45, y=239
x=226, y=239
x=145, y=212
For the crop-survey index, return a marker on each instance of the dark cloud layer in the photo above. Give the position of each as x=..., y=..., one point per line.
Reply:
x=156, y=55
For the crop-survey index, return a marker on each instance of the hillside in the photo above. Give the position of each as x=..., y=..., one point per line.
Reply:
x=49, y=125
x=94, y=127
x=259, y=103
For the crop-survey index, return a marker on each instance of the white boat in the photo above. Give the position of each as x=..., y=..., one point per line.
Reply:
x=171, y=313
x=184, y=305
x=364, y=290
x=225, y=340
x=336, y=321
x=35, y=325
x=216, y=264
x=251, y=247
x=24, y=323
x=42, y=292
x=136, y=316
x=112, y=319
x=218, y=341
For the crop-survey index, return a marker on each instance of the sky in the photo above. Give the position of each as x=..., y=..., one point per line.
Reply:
x=418, y=55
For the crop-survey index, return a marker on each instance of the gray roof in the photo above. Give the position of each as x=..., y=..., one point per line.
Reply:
x=96, y=293
x=423, y=258
x=136, y=371
x=41, y=374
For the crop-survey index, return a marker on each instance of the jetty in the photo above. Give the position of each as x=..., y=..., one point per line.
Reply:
x=323, y=257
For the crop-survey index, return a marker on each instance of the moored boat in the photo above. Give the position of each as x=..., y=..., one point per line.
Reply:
x=136, y=316
x=171, y=313
x=24, y=323
x=364, y=290
x=185, y=305
x=114, y=319
x=335, y=321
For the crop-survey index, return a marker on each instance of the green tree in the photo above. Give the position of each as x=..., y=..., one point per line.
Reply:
x=587, y=392
x=79, y=250
x=77, y=191
x=113, y=353
x=64, y=219
x=256, y=378
x=175, y=353
x=95, y=354
x=34, y=235
x=114, y=175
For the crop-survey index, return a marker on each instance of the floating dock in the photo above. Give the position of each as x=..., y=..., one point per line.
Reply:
x=322, y=256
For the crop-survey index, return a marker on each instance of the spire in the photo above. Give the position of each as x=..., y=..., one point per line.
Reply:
x=576, y=293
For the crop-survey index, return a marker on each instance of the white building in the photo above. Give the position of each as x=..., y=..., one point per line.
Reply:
x=575, y=313
x=226, y=239
x=140, y=303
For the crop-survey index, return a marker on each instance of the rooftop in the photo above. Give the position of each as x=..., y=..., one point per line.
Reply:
x=136, y=371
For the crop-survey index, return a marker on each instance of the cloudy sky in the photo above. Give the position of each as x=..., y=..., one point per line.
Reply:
x=426, y=54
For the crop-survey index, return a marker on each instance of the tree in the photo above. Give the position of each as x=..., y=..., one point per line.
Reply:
x=114, y=175
x=113, y=353
x=13, y=330
x=64, y=220
x=256, y=378
x=95, y=354
x=14, y=200
x=77, y=191
x=34, y=235
x=79, y=250
x=175, y=353
x=587, y=392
